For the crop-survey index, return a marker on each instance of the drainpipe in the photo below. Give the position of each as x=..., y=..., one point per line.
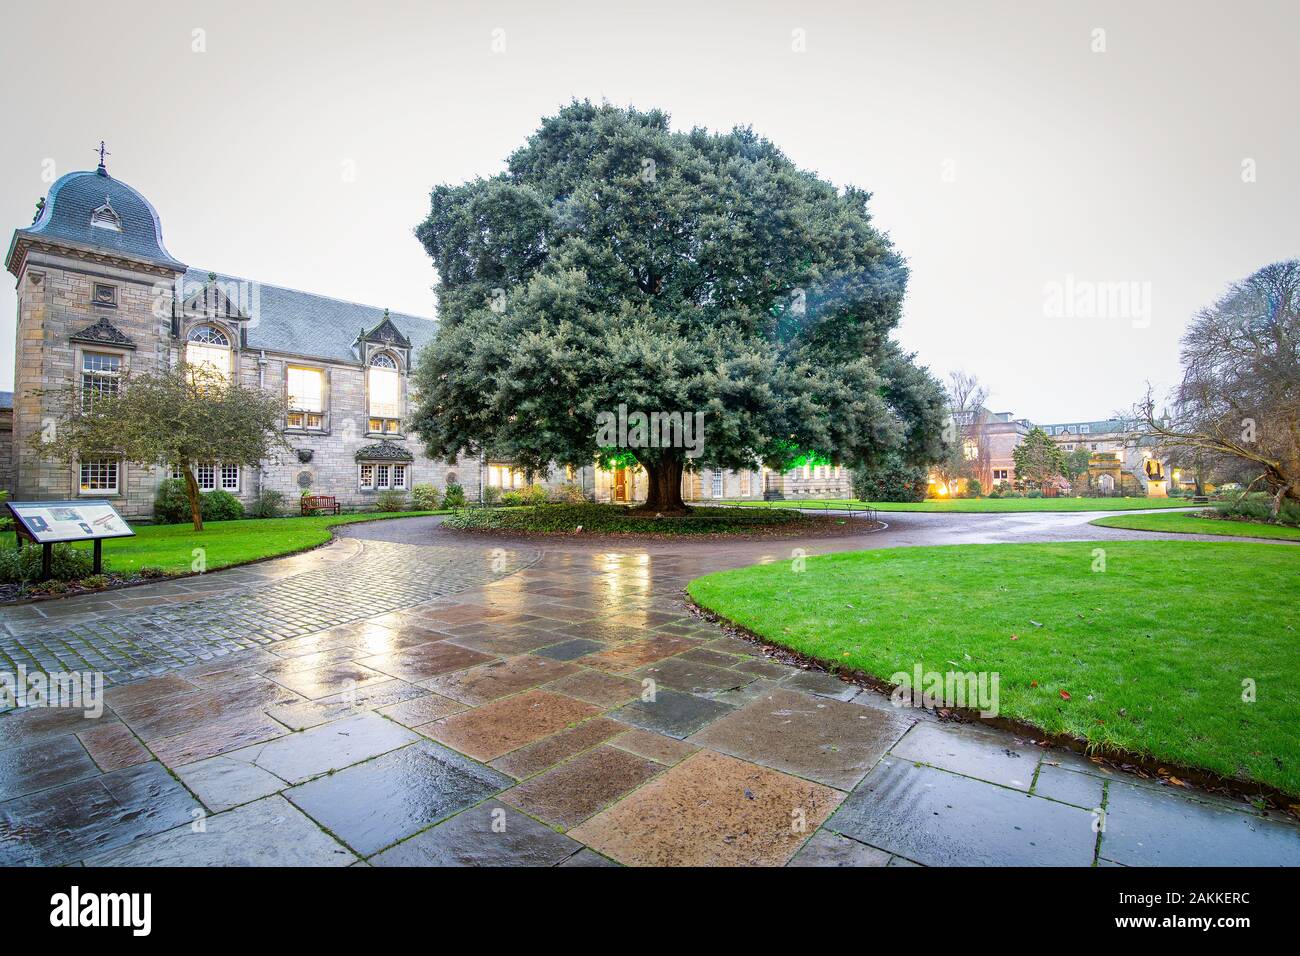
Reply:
x=261, y=383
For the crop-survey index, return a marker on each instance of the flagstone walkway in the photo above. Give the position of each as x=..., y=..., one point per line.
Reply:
x=406, y=696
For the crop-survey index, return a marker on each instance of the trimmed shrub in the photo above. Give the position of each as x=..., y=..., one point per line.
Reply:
x=171, y=506
x=388, y=501
x=455, y=496
x=425, y=497
x=569, y=493
x=268, y=504
x=512, y=499
x=20, y=565
x=535, y=495
x=891, y=481
x=973, y=489
x=491, y=494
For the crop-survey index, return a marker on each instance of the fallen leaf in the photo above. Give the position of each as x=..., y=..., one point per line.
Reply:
x=1065, y=695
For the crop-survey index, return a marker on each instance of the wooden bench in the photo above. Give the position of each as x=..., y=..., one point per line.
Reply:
x=320, y=504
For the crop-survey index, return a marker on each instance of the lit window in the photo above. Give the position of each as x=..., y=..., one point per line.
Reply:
x=384, y=392
x=99, y=477
x=209, y=347
x=367, y=475
x=306, y=397
x=99, y=376
x=503, y=476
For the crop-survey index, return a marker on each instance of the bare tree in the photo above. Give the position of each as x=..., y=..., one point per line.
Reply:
x=969, y=453
x=1239, y=400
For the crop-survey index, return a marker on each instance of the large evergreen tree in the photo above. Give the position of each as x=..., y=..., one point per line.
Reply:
x=617, y=262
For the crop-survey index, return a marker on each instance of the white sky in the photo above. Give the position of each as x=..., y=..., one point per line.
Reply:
x=1115, y=166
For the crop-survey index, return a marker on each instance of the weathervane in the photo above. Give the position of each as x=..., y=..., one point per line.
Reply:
x=102, y=153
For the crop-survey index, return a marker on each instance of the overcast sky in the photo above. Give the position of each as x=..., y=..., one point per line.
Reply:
x=1068, y=181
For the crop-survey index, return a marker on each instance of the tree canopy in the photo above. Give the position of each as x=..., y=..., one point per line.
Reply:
x=1038, y=459
x=618, y=262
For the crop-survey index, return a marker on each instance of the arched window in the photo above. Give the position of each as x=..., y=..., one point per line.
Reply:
x=209, y=347
x=384, y=395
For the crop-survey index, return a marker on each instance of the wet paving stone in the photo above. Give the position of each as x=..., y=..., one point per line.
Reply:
x=693, y=677
x=1079, y=789
x=113, y=747
x=487, y=732
x=298, y=757
x=622, y=658
x=546, y=753
x=270, y=832
x=490, y=834
x=28, y=725
x=428, y=660
x=224, y=782
x=47, y=763
x=974, y=751
x=941, y=819
x=703, y=655
x=668, y=751
x=422, y=710
x=91, y=816
x=711, y=810
x=311, y=713
x=672, y=713
x=770, y=670
x=316, y=682
x=486, y=682
x=571, y=650
x=578, y=788
x=588, y=857
x=1148, y=827
x=168, y=685
x=597, y=687
x=214, y=737
x=815, y=737
x=821, y=684
x=831, y=849
x=508, y=643
x=376, y=803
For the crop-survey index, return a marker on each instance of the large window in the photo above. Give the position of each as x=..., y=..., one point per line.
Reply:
x=504, y=476
x=99, y=476
x=717, y=482
x=211, y=477
x=100, y=372
x=210, y=348
x=306, y=394
x=382, y=477
x=384, y=392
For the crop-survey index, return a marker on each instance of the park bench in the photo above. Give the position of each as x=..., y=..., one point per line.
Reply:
x=320, y=504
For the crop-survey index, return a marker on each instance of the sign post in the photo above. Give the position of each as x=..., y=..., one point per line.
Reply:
x=48, y=523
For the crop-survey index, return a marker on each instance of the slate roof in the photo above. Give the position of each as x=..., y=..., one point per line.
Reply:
x=309, y=325
x=1102, y=427
x=76, y=196
x=383, y=451
x=279, y=320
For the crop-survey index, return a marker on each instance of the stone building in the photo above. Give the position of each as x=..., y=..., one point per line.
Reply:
x=99, y=294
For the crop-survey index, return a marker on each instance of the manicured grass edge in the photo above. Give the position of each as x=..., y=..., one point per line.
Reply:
x=1118, y=758
x=1219, y=527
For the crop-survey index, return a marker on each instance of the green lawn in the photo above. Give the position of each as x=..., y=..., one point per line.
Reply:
x=171, y=546
x=1183, y=523
x=1152, y=651
x=980, y=504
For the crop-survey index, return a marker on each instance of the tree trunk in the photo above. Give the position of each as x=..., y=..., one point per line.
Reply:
x=664, y=487
x=192, y=492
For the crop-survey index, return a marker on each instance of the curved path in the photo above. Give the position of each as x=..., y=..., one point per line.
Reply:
x=403, y=687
